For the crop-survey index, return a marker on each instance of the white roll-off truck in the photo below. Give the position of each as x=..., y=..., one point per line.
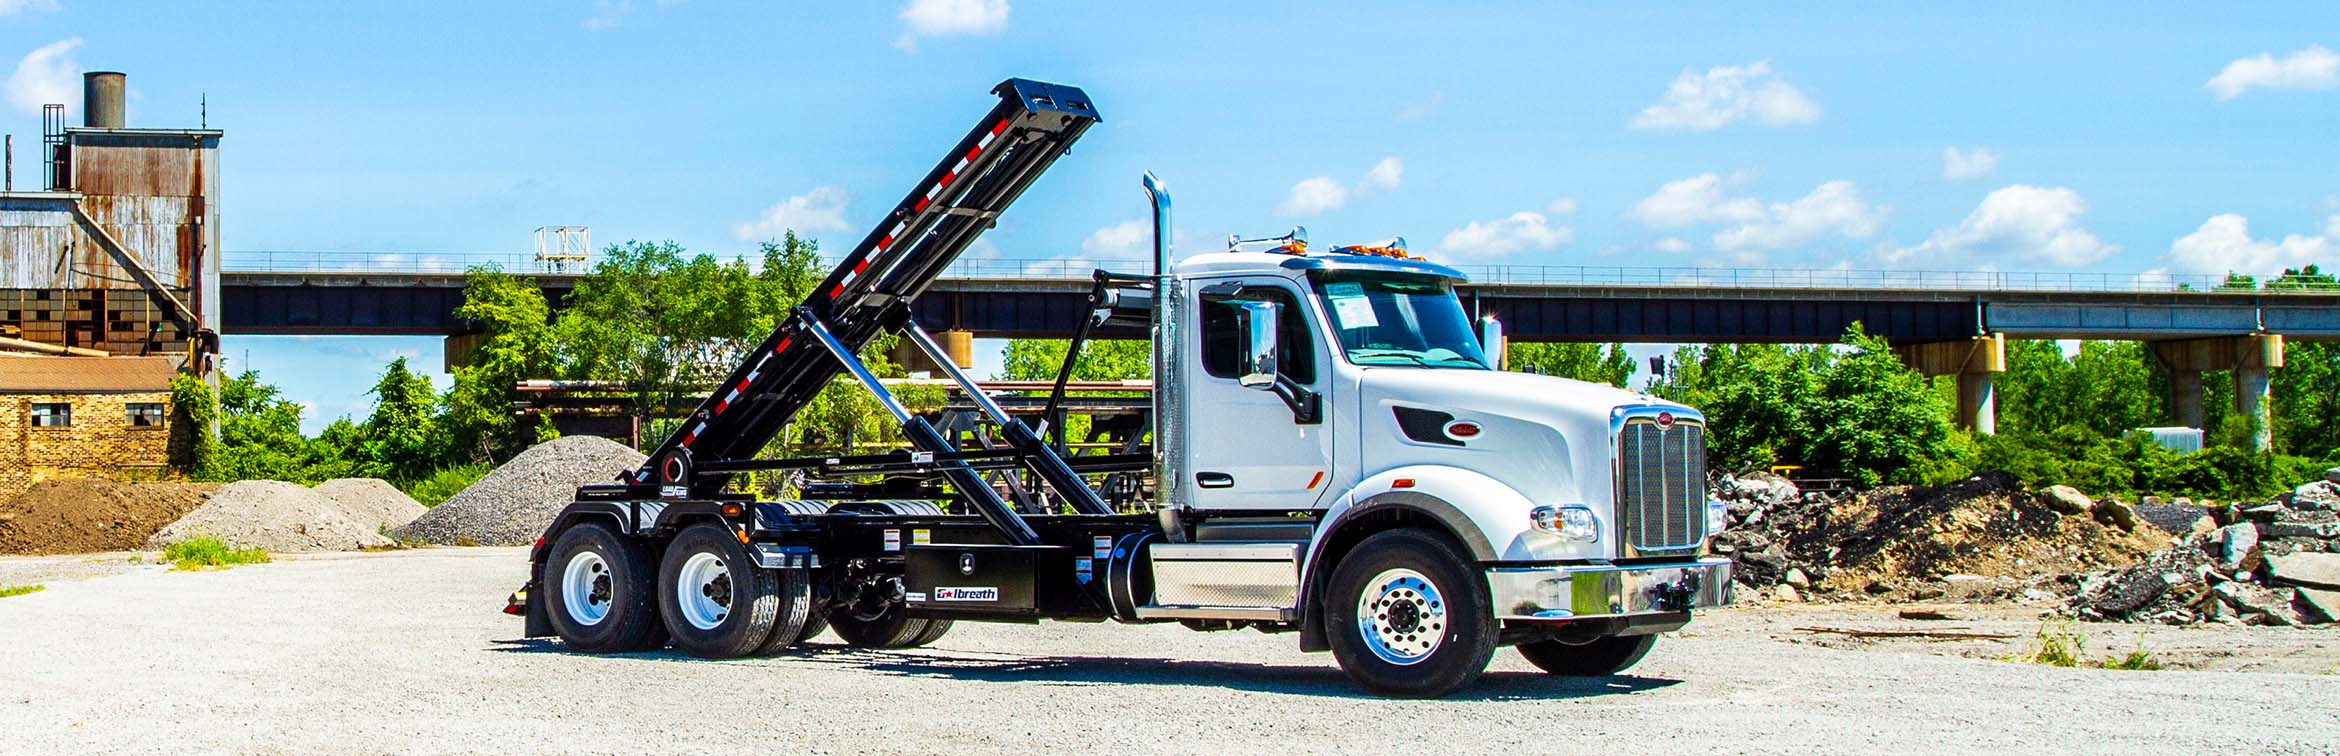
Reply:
x=1332, y=452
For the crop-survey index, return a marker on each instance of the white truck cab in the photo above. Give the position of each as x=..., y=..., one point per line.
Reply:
x=1325, y=399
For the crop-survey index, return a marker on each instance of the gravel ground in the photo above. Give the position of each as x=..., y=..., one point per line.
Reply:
x=402, y=652
x=512, y=505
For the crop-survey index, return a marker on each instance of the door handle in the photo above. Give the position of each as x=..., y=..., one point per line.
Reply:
x=1214, y=480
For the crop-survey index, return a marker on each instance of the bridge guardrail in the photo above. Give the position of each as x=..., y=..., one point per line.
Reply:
x=1069, y=268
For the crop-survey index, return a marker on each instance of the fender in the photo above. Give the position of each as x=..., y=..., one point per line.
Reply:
x=616, y=513
x=1487, y=518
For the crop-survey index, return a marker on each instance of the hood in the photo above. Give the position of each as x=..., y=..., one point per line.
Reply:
x=1544, y=436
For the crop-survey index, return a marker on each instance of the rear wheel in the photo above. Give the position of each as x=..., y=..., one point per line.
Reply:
x=716, y=601
x=1603, y=656
x=1408, y=615
x=599, y=591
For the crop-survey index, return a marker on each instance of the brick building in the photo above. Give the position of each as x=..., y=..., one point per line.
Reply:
x=76, y=416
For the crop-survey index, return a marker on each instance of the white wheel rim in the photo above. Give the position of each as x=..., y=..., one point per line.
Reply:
x=1401, y=616
x=585, y=588
x=702, y=591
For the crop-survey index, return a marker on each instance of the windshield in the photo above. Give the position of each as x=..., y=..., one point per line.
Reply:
x=1399, y=320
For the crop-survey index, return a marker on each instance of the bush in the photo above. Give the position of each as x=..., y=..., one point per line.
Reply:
x=443, y=484
x=198, y=553
x=2134, y=466
x=19, y=590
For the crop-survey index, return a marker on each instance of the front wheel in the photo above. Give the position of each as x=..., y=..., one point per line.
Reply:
x=1603, y=656
x=1408, y=615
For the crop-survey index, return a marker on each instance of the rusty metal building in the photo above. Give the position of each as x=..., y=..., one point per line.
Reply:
x=118, y=250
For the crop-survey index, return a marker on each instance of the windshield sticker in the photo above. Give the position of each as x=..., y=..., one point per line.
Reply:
x=1351, y=308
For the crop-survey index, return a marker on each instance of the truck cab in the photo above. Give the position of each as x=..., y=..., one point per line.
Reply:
x=1329, y=398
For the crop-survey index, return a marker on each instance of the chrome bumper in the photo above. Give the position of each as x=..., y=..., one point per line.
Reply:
x=1589, y=591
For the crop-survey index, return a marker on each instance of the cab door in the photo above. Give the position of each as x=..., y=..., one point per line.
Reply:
x=1246, y=451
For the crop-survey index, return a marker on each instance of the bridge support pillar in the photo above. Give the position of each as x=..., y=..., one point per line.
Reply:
x=1974, y=361
x=960, y=345
x=2248, y=357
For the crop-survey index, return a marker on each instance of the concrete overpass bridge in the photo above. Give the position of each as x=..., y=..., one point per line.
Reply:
x=1941, y=322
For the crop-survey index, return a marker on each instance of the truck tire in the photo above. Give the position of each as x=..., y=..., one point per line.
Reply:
x=1407, y=615
x=717, y=603
x=935, y=628
x=797, y=617
x=892, y=628
x=815, y=623
x=600, y=593
x=1602, y=657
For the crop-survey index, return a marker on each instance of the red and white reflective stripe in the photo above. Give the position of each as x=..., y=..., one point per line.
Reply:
x=694, y=436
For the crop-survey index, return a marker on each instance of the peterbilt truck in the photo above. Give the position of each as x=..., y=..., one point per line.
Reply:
x=1332, y=453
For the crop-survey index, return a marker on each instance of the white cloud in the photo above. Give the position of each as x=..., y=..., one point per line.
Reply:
x=1317, y=194
x=2223, y=244
x=2029, y=223
x=1418, y=111
x=1521, y=231
x=1313, y=195
x=1561, y=206
x=939, y=18
x=13, y=7
x=1131, y=238
x=1725, y=94
x=2312, y=67
x=45, y=75
x=1832, y=209
x=1960, y=165
x=1698, y=199
x=822, y=209
x=1384, y=176
x=609, y=14
x=1672, y=244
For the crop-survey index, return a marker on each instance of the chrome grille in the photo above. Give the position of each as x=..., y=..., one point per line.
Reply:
x=1661, y=484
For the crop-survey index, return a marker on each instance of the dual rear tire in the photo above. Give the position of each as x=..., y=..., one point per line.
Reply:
x=607, y=593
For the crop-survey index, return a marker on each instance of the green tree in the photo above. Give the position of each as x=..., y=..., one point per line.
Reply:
x=2307, y=399
x=1596, y=363
x=1101, y=360
x=1875, y=419
x=516, y=343
x=403, y=433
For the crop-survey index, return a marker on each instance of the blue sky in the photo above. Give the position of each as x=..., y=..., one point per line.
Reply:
x=2090, y=137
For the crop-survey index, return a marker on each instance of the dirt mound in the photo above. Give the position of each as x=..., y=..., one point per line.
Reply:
x=372, y=501
x=272, y=515
x=512, y=505
x=81, y=515
x=1982, y=534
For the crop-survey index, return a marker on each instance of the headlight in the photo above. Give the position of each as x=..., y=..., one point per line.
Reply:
x=1718, y=516
x=1572, y=523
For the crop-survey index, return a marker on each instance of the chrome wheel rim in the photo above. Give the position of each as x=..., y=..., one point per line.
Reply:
x=1401, y=616
x=702, y=591
x=585, y=588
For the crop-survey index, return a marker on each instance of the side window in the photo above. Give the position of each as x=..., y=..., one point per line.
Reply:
x=1296, y=355
x=145, y=414
x=47, y=415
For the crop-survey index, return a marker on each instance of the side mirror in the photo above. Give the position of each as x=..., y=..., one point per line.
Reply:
x=1491, y=341
x=1259, y=344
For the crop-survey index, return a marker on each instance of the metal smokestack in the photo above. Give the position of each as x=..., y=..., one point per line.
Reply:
x=101, y=99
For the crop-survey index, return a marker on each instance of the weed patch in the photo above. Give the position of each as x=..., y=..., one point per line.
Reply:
x=199, y=553
x=2060, y=645
x=19, y=590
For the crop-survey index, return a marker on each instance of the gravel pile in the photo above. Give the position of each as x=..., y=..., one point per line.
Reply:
x=512, y=505
x=372, y=501
x=275, y=516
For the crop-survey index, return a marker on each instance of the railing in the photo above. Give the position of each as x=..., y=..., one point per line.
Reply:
x=1525, y=275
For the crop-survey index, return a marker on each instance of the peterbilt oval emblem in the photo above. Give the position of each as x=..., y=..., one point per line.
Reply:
x=1665, y=419
x=1462, y=429
x=966, y=564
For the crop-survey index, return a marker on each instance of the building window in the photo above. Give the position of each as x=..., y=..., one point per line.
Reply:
x=52, y=415
x=146, y=414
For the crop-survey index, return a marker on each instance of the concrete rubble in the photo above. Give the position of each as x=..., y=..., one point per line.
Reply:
x=2171, y=561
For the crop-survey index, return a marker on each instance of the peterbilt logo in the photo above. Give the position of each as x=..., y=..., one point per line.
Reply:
x=1665, y=420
